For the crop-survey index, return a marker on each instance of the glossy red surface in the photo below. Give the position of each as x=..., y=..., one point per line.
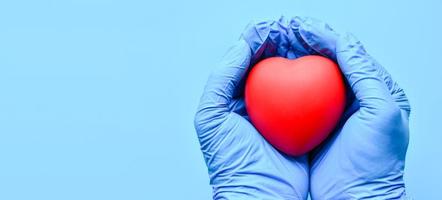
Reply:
x=295, y=104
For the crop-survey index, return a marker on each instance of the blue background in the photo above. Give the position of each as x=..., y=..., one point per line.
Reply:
x=97, y=97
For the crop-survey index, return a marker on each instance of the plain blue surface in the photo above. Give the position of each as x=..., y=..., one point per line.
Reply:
x=97, y=98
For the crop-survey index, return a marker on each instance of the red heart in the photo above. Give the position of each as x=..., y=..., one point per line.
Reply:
x=295, y=104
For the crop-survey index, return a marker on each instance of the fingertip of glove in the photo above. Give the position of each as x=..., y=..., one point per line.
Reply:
x=319, y=36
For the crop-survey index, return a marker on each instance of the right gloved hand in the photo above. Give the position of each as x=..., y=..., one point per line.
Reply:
x=365, y=157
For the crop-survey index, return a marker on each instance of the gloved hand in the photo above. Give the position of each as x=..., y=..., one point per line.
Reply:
x=364, y=159
x=241, y=164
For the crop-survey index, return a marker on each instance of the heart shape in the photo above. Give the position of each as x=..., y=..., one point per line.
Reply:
x=295, y=104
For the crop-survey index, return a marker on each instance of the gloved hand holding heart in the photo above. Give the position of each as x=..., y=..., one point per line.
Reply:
x=295, y=104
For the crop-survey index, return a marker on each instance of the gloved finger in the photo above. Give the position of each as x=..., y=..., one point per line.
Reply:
x=322, y=38
x=319, y=36
x=396, y=91
x=275, y=38
x=221, y=85
x=362, y=74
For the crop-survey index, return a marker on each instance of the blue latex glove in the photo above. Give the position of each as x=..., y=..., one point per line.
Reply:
x=241, y=164
x=364, y=159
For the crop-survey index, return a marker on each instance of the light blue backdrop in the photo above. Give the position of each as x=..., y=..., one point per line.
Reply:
x=97, y=97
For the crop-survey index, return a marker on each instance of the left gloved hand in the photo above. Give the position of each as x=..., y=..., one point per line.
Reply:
x=241, y=163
